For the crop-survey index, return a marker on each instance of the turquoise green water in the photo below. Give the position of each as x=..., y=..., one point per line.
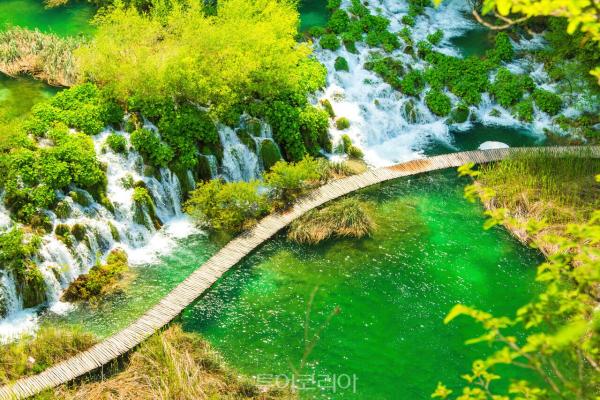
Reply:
x=71, y=20
x=393, y=291
x=474, y=42
x=313, y=13
x=18, y=95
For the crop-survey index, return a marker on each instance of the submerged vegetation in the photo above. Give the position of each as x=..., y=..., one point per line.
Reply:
x=345, y=218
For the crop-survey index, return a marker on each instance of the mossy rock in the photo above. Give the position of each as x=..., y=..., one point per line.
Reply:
x=3, y=304
x=150, y=171
x=62, y=209
x=79, y=231
x=246, y=139
x=495, y=113
x=40, y=221
x=269, y=154
x=325, y=141
x=342, y=123
x=203, y=171
x=81, y=197
x=31, y=287
x=114, y=232
x=254, y=127
x=144, y=209
x=460, y=114
x=410, y=112
x=214, y=149
x=62, y=230
x=328, y=107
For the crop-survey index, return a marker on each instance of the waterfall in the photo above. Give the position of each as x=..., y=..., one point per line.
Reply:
x=239, y=162
x=390, y=127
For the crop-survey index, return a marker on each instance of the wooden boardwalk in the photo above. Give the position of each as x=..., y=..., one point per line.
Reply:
x=209, y=272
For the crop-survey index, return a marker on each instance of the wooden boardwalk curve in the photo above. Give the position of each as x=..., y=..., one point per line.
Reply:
x=209, y=272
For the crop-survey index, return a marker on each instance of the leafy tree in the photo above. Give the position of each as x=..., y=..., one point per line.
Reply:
x=116, y=142
x=438, y=102
x=561, y=325
x=548, y=102
x=288, y=181
x=227, y=206
x=243, y=52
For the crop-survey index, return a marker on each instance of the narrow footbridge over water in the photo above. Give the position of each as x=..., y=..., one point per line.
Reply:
x=208, y=273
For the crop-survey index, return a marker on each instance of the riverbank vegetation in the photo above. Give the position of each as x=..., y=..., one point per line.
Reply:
x=100, y=281
x=171, y=365
x=557, y=191
x=44, y=56
x=561, y=324
x=346, y=218
x=32, y=354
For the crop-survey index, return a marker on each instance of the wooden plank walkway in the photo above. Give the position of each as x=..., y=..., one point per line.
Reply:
x=209, y=272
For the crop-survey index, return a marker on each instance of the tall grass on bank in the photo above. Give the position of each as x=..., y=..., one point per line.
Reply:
x=47, y=57
x=171, y=365
x=345, y=218
x=542, y=186
x=32, y=354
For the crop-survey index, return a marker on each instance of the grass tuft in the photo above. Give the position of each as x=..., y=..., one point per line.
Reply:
x=345, y=218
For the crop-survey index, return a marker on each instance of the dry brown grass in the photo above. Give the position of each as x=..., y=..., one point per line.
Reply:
x=44, y=56
x=345, y=218
x=171, y=365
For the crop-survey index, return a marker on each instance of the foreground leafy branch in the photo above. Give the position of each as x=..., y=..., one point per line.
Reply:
x=561, y=345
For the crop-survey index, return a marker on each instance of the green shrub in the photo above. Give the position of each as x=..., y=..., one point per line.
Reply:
x=387, y=68
x=116, y=142
x=83, y=107
x=329, y=41
x=314, y=128
x=100, y=280
x=338, y=22
x=509, y=88
x=424, y=48
x=460, y=114
x=288, y=181
x=144, y=206
x=524, y=110
x=412, y=83
x=316, y=31
x=548, y=102
x=342, y=123
x=408, y=20
x=32, y=175
x=503, y=49
x=341, y=64
x=438, y=102
x=333, y=4
x=384, y=39
x=436, y=37
x=227, y=206
x=155, y=152
x=285, y=121
x=358, y=9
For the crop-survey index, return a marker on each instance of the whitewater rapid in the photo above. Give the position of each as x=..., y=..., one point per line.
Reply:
x=379, y=123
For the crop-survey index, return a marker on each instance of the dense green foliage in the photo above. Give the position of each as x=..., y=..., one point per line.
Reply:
x=508, y=88
x=262, y=70
x=33, y=174
x=288, y=181
x=342, y=123
x=546, y=101
x=100, y=280
x=227, y=206
x=435, y=37
x=341, y=64
x=438, y=102
x=116, y=142
x=387, y=68
x=350, y=149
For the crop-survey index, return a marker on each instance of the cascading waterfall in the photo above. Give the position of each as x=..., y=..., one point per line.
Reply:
x=60, y=264
x=239, y=162
x=391, y=127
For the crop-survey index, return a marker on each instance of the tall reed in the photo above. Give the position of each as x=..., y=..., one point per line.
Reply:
x=44, y=56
